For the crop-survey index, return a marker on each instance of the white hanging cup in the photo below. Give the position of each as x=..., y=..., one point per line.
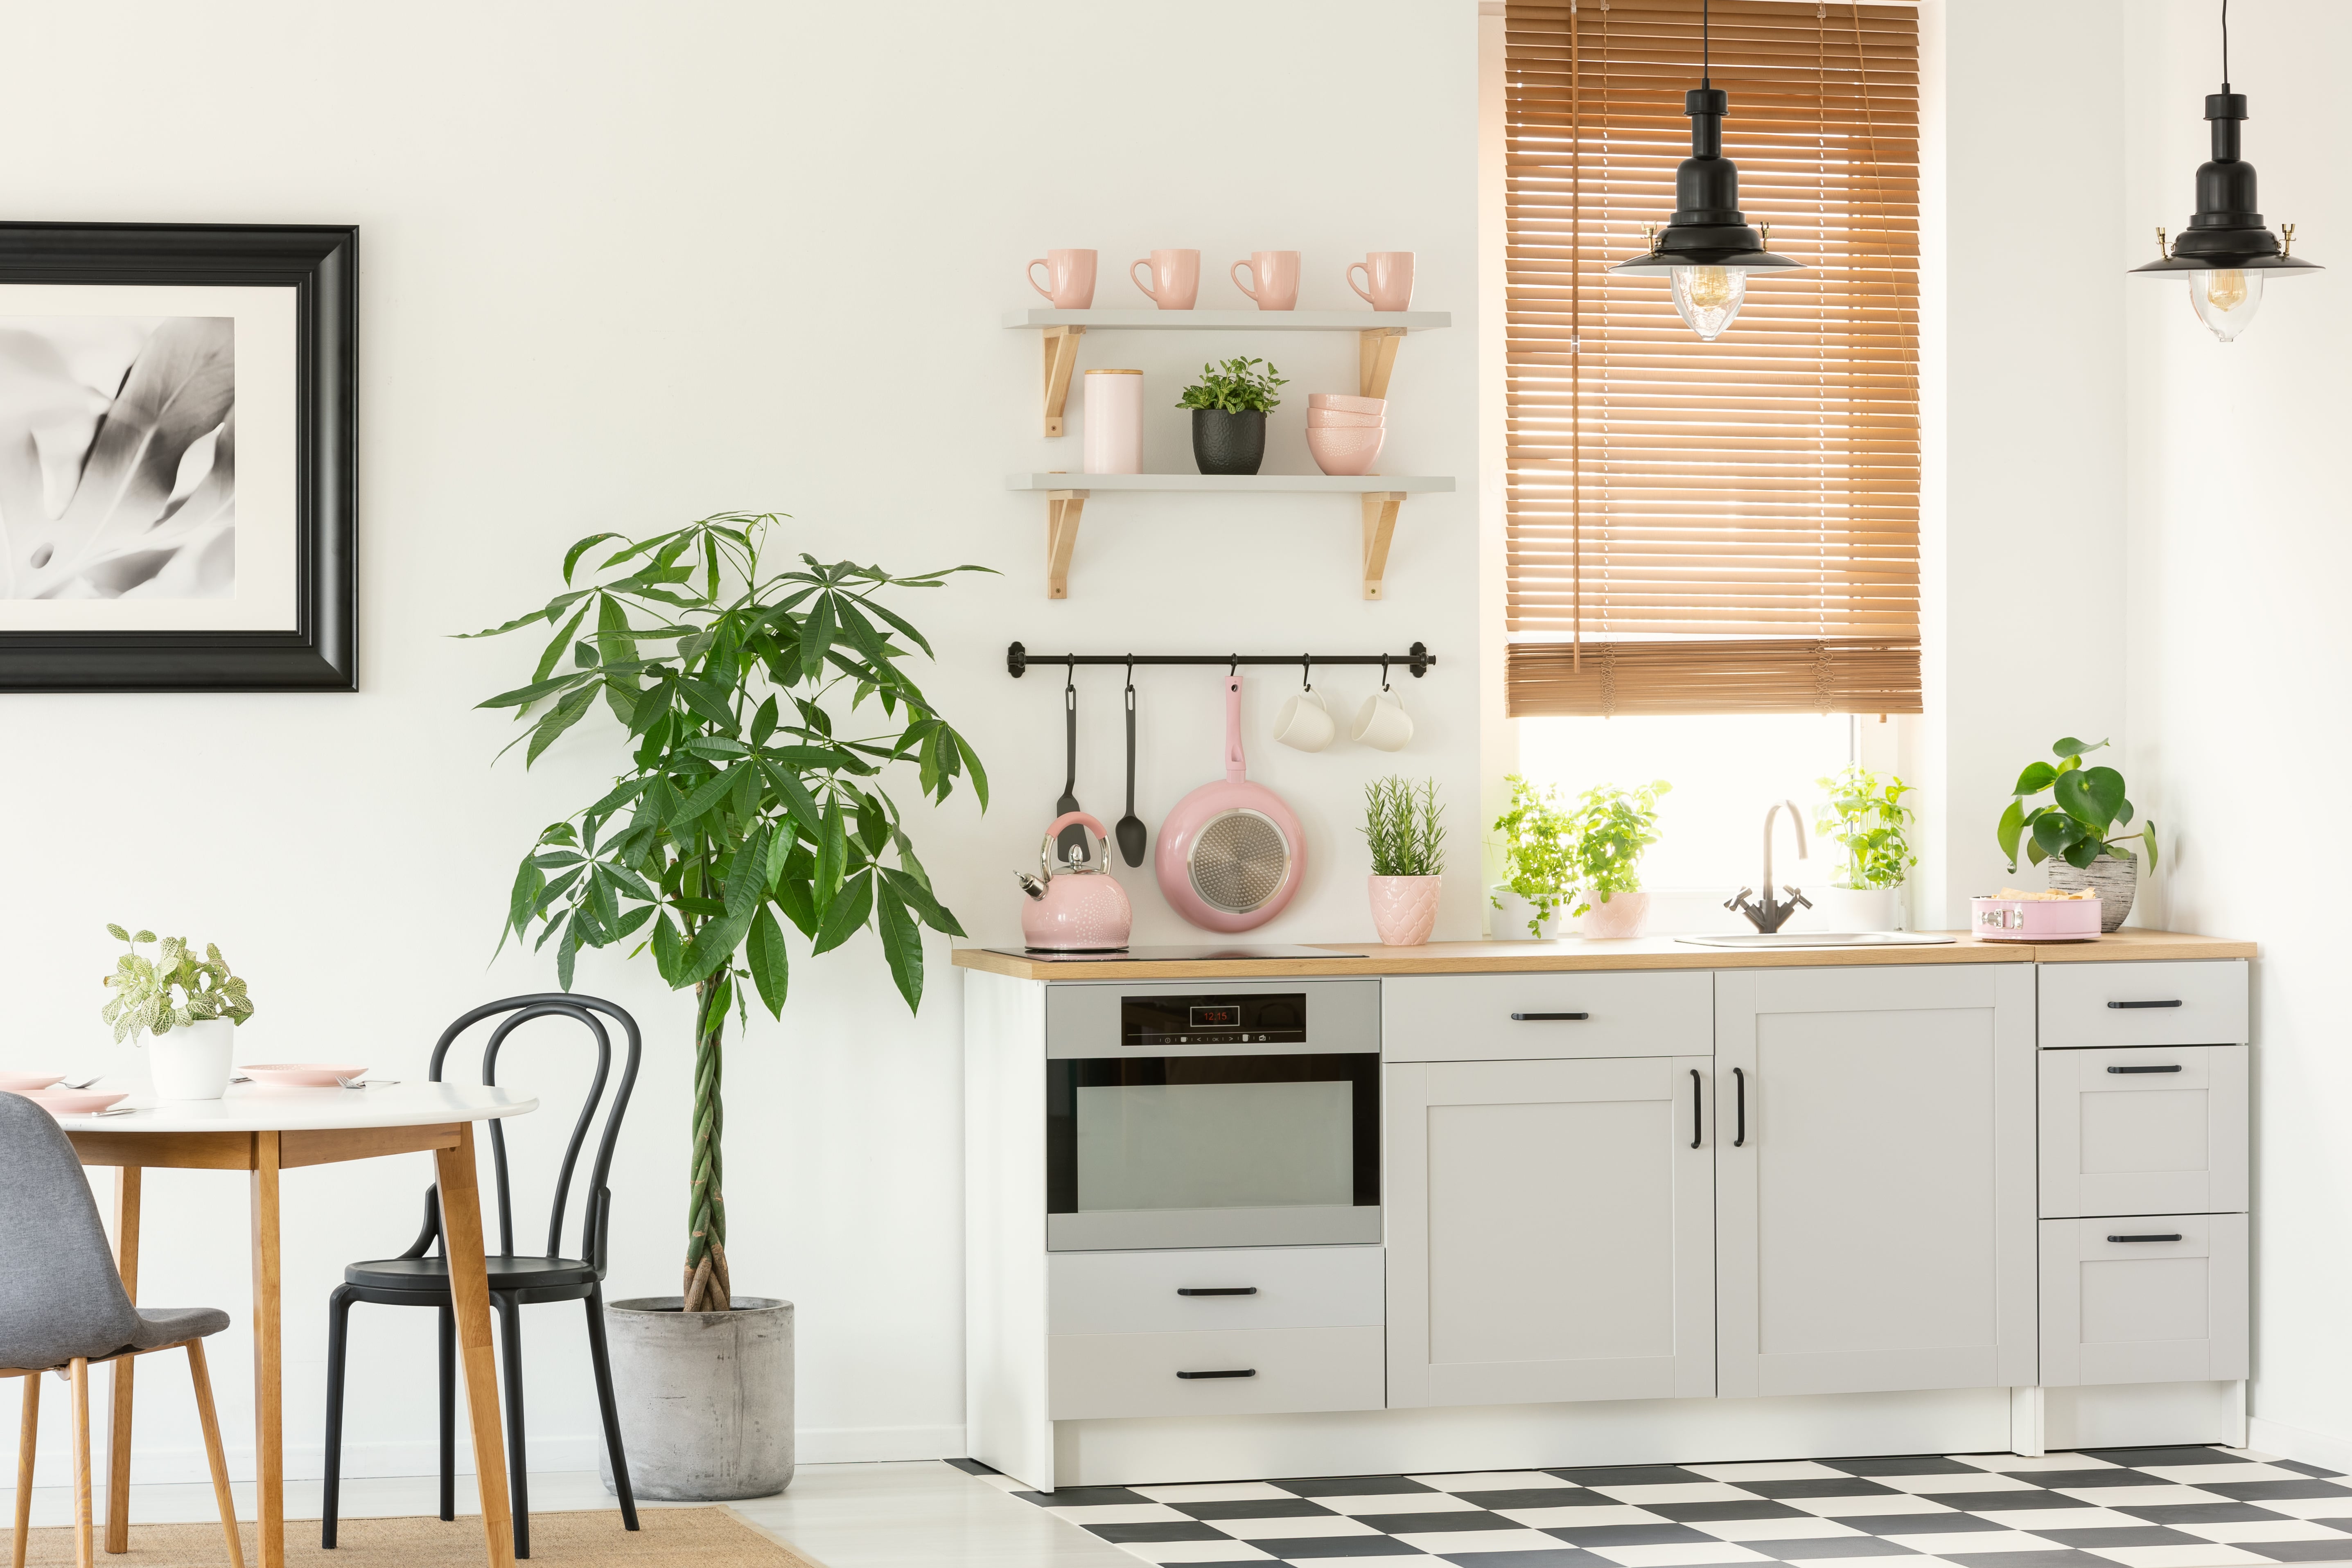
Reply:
x=1305, y=724
x=1382, y=723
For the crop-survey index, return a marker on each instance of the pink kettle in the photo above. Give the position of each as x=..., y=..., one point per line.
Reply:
x=1231, y=854
x=1080, y=908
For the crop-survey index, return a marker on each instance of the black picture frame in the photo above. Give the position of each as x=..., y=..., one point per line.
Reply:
x=321, y=263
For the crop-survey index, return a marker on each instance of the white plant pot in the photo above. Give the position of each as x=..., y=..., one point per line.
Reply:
x=1510, y=916
x=705, y=1398
x=1857, y=909
x=192, y=1061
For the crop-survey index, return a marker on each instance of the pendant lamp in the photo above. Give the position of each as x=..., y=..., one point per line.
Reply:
x=2227, y=252
x=1707, y=250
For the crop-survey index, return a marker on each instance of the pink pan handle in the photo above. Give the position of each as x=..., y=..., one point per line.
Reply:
x=1352, y=270
x=1236, y=768
x=1032, y=270
x=1237, y=278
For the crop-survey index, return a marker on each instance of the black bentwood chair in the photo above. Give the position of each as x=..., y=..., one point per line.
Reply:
x=416, y=1280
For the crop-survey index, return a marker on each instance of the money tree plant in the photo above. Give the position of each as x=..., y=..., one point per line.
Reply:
x=747, y=793
x=171, y=989
x=2086, y=805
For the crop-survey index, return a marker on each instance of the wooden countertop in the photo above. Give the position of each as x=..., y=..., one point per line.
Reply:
x=1646, y=952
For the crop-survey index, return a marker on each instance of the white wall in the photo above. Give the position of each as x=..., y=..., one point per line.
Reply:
x=2238, y=641
x=623, y=266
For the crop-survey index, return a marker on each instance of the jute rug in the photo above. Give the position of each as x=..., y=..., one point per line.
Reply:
x=669, y=1538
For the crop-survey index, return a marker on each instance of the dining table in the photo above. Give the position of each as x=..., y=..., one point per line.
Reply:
x=266, y=1130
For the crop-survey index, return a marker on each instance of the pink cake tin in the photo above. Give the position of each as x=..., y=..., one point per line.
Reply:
x=2034, y=920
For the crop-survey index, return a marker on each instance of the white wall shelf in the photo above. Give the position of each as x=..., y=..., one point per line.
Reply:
x=1382, y=494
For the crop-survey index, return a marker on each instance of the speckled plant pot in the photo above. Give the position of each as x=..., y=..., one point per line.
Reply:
x=1404, y=909
x=2118, y=882
x=1617, y=915
x=705, y=1398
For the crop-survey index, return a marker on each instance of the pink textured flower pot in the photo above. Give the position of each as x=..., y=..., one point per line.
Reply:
x=1617, y=915
x=1404, y=909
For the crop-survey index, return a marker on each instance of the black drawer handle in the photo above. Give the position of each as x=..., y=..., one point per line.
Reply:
x=1550, y=1017
x=1234, y=1371
x=1695, y=1126
x=1217, y=1289
x=2174, y=1067
x=2121, y=1005
x=2174, y=1235
x=1739, y=1085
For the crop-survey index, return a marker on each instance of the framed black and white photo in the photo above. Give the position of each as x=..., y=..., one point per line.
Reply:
x=178, y=458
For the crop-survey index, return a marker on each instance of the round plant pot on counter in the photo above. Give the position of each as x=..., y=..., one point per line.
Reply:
x=1404, y=909
x=1617, y=915
x=1512, y=916
x=1227, y=443
x=2117, y=882
x=705, y=1398
x=1857, y=909
x=192, y=1061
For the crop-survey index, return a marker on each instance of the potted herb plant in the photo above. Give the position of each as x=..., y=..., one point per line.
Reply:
x=1229, y=405
x=187, y=1008
x=1608, y=831
x=748, y=791
x=1864, y=816
x=1403, y=823
x=2071, y=831
x=1537, y=868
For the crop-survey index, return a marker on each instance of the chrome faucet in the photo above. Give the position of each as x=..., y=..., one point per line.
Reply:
x=1772, y=913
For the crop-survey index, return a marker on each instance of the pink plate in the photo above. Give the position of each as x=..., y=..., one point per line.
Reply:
x=71, y=1101
x=16, y=1082
x=299, y=1075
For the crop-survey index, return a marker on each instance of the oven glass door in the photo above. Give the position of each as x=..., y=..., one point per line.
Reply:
x=1201, y=1150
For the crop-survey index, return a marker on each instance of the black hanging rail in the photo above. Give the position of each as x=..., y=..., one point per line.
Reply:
x=1017, y=659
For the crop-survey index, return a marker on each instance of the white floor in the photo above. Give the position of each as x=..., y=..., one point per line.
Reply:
x=844, y=1516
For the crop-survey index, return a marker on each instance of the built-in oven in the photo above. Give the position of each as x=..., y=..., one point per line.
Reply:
x=1205, y=1114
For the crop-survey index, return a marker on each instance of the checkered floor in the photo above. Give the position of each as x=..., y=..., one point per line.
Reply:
x=2139, y=1508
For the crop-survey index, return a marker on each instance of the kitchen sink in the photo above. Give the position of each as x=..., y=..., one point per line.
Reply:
x=1821, y=939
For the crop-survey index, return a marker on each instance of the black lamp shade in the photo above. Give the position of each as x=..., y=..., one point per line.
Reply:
x=2228, y=233
x=1707, y=228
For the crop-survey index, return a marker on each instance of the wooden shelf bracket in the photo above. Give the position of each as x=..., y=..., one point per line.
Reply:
x=1061, y=358
x=1379, y=526
x=1062, y=510
x=1376, y=350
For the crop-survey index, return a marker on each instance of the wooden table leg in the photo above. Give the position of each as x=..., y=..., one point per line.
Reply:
x=269, y=1391
x=469, y=1292
x=118, y=1438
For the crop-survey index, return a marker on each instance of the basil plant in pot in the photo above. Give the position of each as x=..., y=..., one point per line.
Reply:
x=1538, y=873
x=187, y=1007
x=1608, y=831
x=1229, y=405
x=1864, y=816
x=2072, y=832
x=746, y=802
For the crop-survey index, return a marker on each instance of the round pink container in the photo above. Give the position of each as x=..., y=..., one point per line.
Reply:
x=1114, y=422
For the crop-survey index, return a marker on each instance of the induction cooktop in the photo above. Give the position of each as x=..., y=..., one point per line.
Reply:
x=1203, y=954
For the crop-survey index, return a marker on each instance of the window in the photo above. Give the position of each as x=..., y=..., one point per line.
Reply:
x=1729, y=527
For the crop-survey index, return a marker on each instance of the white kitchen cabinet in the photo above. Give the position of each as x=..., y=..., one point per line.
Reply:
x=2197, y=1003
x=1234, y=1371
x=2146, y=1129
x=2148, y=1298
x=1496, y=1018
x=1875, y=1179
x=1551, y=1230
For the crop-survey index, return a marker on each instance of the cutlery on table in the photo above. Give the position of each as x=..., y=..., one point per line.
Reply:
x=84, y=1083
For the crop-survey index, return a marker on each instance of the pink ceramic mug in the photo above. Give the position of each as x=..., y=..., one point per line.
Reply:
x=1073, y=275
x=1388, y=279
x=1175, y=280
x=1276, y=273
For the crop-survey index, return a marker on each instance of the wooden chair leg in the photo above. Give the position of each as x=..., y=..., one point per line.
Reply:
x=28, y=1428
x=201, y=1375
x=85, y=1545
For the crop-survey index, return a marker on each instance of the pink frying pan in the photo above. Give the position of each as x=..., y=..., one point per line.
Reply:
x=1231, y=854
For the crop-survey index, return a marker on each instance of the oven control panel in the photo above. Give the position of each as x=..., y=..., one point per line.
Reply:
x=1252, y=1018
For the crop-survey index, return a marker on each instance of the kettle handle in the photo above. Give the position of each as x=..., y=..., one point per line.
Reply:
x=1067, y=819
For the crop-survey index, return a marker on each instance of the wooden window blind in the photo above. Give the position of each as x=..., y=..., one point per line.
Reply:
x=1725, y=527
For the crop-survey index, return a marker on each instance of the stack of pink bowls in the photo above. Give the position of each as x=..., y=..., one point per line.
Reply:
x=1345, y=433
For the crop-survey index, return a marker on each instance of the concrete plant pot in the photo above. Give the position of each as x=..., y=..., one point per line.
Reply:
x=2116, y=880
x=705, y=1398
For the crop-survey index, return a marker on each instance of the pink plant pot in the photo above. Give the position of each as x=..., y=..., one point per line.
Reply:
x=1345, y=451
x=1404, y=909
x=1618, y=916
x=1346, y=403
x=1340, y=419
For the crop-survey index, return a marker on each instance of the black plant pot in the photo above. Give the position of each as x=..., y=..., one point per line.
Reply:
x=1227, y=443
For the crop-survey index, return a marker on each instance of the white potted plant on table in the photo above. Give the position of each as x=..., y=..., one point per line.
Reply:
x=1864, y=816
x=1538, y=870
x=187, y=1007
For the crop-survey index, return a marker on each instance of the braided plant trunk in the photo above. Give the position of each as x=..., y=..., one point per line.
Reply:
x=706, y=1286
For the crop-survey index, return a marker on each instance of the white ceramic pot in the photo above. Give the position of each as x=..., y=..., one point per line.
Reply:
x=1857, y=909
x=1617, y=915
x=192, y=1061
x=1404, y=909
x=1511, y=916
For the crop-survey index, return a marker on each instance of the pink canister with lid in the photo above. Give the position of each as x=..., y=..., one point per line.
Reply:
x=1114, y=422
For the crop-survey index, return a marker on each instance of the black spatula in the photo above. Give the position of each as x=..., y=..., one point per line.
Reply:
x=1072, y=843
x=1130, y=827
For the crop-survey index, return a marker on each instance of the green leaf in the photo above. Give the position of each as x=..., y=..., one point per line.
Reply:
x=2091, y=796
x=572, y=556
x=709, y=795
x=117, y=933
x=2081, y=855
x=524, y=696
x=2011, y=829
x=556, y=644
x=902, y=944
x=832, y=853
x=2055, y=833
x=559, y=718
x=918, y=898
x=522, y=903
x=715, y=944
x=816, y=638
x=846, y=913
x=971, y=763
x=669, y=949
x=2147, y=835
x=2036, y=778
x=763, y=723
x=2068, y=746
x=746, y=878
x=771, y=968
x=566, y=951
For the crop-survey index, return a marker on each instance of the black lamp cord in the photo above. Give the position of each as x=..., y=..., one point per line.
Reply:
x=1706, y=43
x=2225, y=46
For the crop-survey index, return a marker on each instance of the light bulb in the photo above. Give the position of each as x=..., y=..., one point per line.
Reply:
x=1708, y=298
x=2226, y=299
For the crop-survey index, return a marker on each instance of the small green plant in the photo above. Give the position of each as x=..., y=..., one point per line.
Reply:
x=1402, y=824
x=143, y=987
x=1236, y=387
x=2086, y=803
x=1537, y=850
x=1865, y=817
x=1608, y=829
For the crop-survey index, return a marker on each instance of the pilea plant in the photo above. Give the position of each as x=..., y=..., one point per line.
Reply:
x=1608, y=831
x=1405, y=827
x=1864, y=816
x=1236, y=387
x=1538, y=849
x=171, y=989
x=2085, y=803
x=743, y=798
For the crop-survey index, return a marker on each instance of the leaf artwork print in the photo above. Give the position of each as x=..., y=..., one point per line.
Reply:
x=118, y=457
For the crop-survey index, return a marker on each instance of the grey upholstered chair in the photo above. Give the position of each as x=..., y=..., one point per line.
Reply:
x=62, y=1308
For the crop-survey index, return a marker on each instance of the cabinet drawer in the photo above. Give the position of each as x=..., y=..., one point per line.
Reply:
x=2193, y=1003
x=1094, y=1375
x=1143, y=1292
x=2142, y=1130
x=1471, y=1017
x=2153, y=1310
